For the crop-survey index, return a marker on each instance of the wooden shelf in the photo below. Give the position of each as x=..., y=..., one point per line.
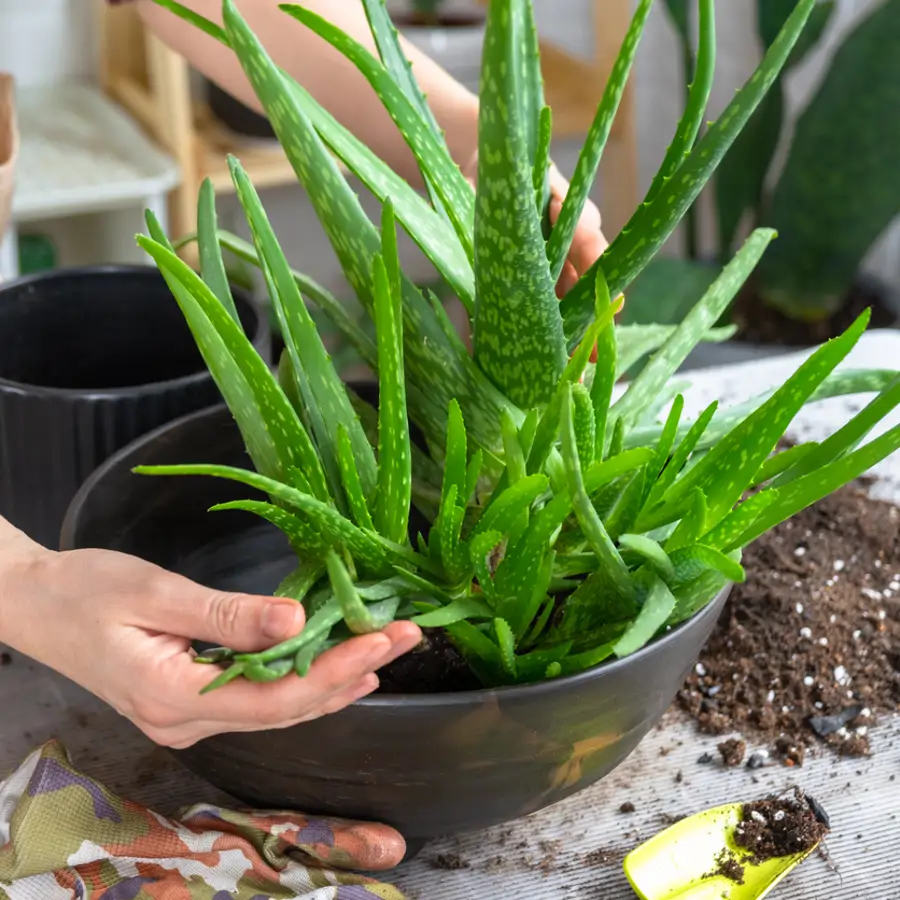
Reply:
x=571, y=91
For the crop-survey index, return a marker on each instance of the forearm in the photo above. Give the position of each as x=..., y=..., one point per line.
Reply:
x=324, y=72
x=20, y=558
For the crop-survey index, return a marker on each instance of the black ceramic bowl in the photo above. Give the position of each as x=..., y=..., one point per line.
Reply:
x=90, y=359
x=427, y=764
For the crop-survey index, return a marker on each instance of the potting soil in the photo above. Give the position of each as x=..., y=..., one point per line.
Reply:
x=807, y=651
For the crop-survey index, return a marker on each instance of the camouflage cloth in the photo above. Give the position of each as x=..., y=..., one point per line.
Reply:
x=65, y=837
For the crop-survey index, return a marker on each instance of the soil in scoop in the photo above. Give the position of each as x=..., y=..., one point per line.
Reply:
x=809, y=647
x=761, y=324
x=778, y=827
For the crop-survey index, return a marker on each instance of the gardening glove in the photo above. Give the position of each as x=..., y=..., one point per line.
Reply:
x=69, y=838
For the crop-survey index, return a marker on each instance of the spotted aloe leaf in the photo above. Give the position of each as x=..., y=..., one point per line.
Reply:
x=724, y=473
x=438, y=368
x=637, y=341
x=651, y=225
x=658, y=606
x=427, y=145
x=319, y=385
x=302, y=535
x=332, y=526
x=595, y=143
x=360, y=619
x=212, y=266
x=518, y=332
x=394, y=456
x=657, y=373
x=275, y=436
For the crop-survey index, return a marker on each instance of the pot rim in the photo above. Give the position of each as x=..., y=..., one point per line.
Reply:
x=451, y=698
x=10, y=386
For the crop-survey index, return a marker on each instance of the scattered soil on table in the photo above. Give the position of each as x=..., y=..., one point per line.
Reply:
x=760, y=324
x=434, y=667
x=778, y=827
x=732, y=751
x=808, y=649
x=627, y=807
x=448, y=862
x=728, y=866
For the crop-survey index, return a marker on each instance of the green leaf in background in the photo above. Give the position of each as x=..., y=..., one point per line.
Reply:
x=651, y=225
x=518, y=333
x=840, y=188
x=741, y=176
x=595, y=142
x=212, y=267
x=636, y=341
x=665, y=292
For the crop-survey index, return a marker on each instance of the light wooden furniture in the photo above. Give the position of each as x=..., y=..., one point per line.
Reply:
x=153, y=83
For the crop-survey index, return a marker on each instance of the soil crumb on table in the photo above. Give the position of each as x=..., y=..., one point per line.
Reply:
x=732, y=751
x=448, y=862
x=808, y=649
x=778, y=827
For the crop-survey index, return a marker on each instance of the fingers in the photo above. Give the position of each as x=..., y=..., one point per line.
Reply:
x=329, y=685
x=568, y=278
x=241, y=621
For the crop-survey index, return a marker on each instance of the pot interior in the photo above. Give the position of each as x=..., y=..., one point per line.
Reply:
x=98, y=329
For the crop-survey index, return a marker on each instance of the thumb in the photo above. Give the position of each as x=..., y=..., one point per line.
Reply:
x=240, y=621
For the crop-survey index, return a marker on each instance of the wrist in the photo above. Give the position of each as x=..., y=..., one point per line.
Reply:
x=21, y=562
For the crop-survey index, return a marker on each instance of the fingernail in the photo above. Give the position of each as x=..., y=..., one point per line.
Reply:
x=281, y=620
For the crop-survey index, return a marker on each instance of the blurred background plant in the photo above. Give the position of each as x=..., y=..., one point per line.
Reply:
x=836, y=193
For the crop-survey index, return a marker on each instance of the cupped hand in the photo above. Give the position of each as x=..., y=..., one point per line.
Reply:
x=122, y=628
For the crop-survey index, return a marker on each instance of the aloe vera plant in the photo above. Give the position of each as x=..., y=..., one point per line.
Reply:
x=566, y=521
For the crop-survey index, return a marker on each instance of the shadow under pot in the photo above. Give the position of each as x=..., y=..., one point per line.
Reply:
x=90, y=359
x=428, y=764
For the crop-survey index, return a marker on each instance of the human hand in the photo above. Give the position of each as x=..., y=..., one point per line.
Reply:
x=122, y=628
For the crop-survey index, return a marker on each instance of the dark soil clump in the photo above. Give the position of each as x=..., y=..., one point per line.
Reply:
x=729, y=867
x=761, y=324
x=448, y=862
x=778, y=827
x=435, y=667
x=627, y=808
x=807, y=649
x=733, y=751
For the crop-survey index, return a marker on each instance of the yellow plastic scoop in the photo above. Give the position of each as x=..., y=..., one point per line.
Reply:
x=733, y=852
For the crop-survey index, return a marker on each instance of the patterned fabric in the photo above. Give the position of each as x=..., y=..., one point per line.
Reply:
x=65, y=837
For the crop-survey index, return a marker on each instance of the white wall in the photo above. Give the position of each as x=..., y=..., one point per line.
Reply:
x=46, y=40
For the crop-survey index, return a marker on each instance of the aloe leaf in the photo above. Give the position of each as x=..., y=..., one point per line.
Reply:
x=625, y=509
x=603, y=382
x=692, y=524
x=540, y=176
x=845, y=438
x=480, y=652
x=697, y=99
x=306, y=656
x=534, y=666
x=592, y=150
x=585, y=424
x=506, y=643
x=332, y=525
x=426, y=144
x=481, y=547
x=692, y=597
x=739, y=520
x=302, y=534
x=511, y=504
x=358, y=618
x=726, y=471
x=580, y=662
x=459, y=610
x=318, y=625
x=797, y=495
x=321, y=388
x=594, y=530
x=394, y=455
x=518, y=333
x=276, y=439
x=456, y=451
x=512, y=448
x=212, y=267
x=651, y=225
x=301, y=581
x=636, y=341
x=839, y=189
x=439, y=371
x=652, y=552
x=690, y=563
x=350, y=479
x=657, y=608
x=656, y=374
x=617, y=439
x=235, y=670
x=780, y=462
x=433, y=234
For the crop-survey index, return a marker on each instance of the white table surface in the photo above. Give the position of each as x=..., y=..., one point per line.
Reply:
x=548, y=855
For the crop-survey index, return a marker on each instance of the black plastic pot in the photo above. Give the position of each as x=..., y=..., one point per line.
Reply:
x=427, y=764
x=234, y=115
x=90, y=359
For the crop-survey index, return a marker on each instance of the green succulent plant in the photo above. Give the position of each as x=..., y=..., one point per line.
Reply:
x=839, y=189
x=563, y=523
